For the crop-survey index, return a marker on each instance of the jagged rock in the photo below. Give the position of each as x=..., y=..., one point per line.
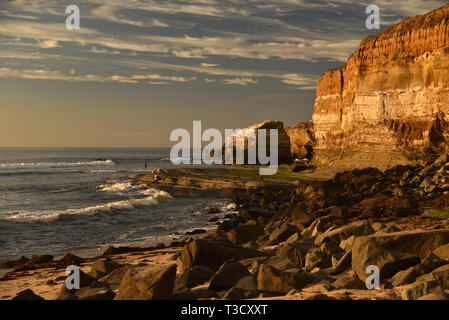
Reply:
x=114, y=278
x=193, y=277
x=295, y=253
x=358, y=228
x=347, y=244
x=195, y=294
x=228, y=275
x=88, y=293
x=435, y=296
x=282, y=233
x=86, y=281
x=421, y=289
x=319, y=297
x=246, y=284
x=27, y=295
x=101, y=268
x=299, y=215
x=246, y=232
x=316, y=258
x=405, y=277
x=154, y=283
x=442, y=252
x=213, y=253
x=348, y=282
x=365, y=253
x=234, y=294
x=415, y=242
x=273, y=280
x=343, y=264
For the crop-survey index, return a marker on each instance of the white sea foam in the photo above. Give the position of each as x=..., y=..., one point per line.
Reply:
x=118, y=206
x=51, y=165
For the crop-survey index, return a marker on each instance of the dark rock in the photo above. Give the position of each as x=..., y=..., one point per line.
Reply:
x=316, y=258
x=247, y=284
x=193, y=277
x=195, y=294
x=358, y=228
x=101, y=268
x=101, y=293
x=421, y=289
x=343, y=264
x=213, y=253
x=195, y=232
x=273, y=280
x=294, y=252
x=234, y=294
x=228, y=275
x=282, y=233
x=27, y=295
x=14, y=263
x=348, y=282
x=246, y=232
x=114, y=278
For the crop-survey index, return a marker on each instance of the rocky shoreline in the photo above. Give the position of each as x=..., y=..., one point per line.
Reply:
x=307, y=239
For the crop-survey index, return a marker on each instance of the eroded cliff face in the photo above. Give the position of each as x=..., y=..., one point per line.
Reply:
x=390, y=104
x=302, y=140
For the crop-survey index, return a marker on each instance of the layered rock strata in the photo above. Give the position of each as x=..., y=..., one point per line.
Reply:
x=390, y=104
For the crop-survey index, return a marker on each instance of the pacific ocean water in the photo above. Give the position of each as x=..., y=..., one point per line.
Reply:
x=81, y=200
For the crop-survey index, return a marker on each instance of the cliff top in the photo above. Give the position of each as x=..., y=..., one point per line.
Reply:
x=408, y=25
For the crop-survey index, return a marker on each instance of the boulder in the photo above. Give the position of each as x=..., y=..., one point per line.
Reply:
x=228, y=275
x=27, y=295
x=234, y=294
x=358, y=228
x=349, y=282
x=247, y=232
x=88, y=293
x=366, y=253
x=102, y=267
x=282, y=233
x=442, y=252
x=421, y=289
x=85, y=281
x=343, y=264
x=114, y=278
x=213, y=253
x=417, y=242
x=316, y=258
x=394, y=252
x=273, y=280
x=195, y=294
x=299, y=215
x=154, y=283
x=295, y=253
x=193, y=277
x=247, y=284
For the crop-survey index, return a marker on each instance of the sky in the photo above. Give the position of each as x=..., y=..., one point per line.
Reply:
x=138, y=69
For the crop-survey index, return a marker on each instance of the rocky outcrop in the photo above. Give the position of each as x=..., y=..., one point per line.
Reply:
x=302, y=140
x=284, y=155
x=390, y=104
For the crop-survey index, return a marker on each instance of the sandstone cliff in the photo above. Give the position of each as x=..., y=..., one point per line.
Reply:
x=390, y=104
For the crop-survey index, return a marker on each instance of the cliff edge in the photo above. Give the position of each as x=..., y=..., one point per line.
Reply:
x=390, y=104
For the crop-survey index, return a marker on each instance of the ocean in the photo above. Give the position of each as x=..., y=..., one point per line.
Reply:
x=81, y=200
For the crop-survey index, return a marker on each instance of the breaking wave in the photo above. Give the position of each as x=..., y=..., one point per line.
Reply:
x=118, y=206
x=51, y=165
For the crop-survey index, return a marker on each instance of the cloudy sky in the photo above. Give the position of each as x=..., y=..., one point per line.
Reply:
x=138, y=69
